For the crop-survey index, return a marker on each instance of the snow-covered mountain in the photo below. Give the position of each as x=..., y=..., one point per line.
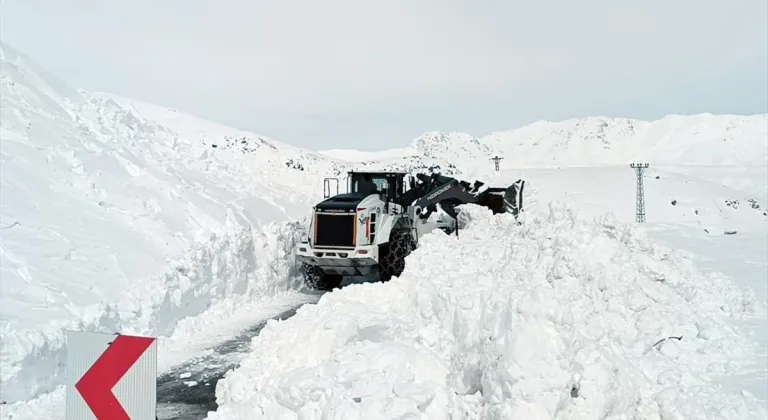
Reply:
x=118, y=215
x=702, y=139
x=113, y=220
x=217, y=138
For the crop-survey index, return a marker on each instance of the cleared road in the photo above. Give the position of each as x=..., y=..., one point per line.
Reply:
x=187, y=392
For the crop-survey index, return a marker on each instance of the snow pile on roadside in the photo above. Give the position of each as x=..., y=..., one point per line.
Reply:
x=230, y=268
x=553, y=319
x=255, y=277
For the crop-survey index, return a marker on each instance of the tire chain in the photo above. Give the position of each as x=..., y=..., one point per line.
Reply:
x=400, y=247
x=311, y=276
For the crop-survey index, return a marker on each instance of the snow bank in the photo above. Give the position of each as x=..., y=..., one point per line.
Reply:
x=237, y=262
x=553, y=319
x=274, y=263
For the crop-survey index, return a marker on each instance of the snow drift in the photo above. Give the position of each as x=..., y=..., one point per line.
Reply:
x=553, y=319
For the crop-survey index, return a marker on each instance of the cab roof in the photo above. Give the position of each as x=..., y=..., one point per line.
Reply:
x=379, y=172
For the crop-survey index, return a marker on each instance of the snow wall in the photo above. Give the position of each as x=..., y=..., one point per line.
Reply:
x=552, y=319
x=237, y=262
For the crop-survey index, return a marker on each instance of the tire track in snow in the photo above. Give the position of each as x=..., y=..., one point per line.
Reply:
x=188, y=391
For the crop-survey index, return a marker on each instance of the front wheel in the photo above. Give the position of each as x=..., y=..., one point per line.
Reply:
x=316, y=279
x=393, y=259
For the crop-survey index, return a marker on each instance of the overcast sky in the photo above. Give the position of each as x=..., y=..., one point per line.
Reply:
x=375, y=74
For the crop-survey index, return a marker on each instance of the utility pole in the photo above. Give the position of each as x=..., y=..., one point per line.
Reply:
x=640, y=195
x=496, y=160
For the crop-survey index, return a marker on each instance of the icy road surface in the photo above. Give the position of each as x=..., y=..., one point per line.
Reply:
x=202, y=349
x=187, y=391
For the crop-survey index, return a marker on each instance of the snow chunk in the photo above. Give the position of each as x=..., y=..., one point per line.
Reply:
x=552, y=319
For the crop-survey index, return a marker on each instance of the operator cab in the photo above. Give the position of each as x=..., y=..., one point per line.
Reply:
x=390, y=185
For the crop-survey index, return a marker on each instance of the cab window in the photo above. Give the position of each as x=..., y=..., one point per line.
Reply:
x=381, y=184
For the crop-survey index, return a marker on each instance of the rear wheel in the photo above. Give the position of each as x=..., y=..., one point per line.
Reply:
x=316, y=279
x=393, y=259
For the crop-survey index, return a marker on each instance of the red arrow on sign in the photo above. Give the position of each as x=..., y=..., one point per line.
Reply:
x=97, y=383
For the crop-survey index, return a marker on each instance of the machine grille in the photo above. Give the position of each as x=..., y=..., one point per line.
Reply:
x=335, y=230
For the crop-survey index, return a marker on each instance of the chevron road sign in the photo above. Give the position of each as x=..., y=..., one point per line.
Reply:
x=111, y=377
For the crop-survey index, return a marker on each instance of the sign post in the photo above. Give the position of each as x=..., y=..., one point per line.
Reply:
x=111, y=377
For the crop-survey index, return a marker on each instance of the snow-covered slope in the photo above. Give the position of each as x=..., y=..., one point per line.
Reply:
x=113, y=221
x=259, y=149
x=554, y=319
x=191, y=127
x=702, y=139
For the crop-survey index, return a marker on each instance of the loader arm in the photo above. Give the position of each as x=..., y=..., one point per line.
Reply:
x=449, y=192
x=437, y=189
x=449, y=195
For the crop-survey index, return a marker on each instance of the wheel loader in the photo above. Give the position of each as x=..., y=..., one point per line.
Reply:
x=373, y=227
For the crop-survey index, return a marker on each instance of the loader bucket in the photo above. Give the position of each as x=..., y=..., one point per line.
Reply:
x=503, y=200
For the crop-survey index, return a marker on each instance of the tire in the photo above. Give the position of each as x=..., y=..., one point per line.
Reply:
x=392, y=262
x=315, y=279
